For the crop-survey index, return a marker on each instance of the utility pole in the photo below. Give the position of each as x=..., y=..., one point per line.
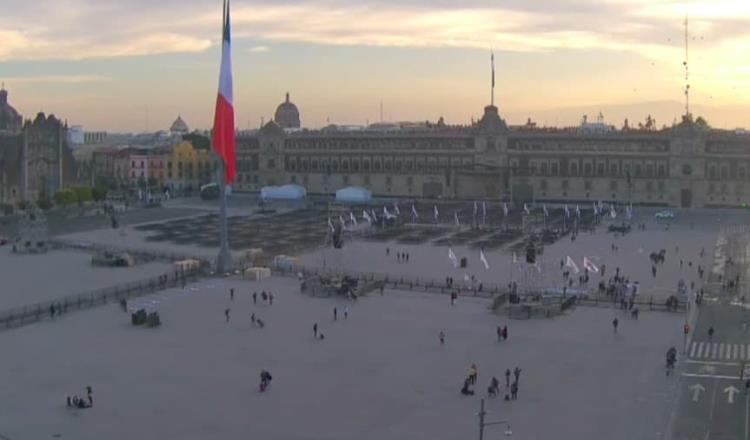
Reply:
x=482, y=413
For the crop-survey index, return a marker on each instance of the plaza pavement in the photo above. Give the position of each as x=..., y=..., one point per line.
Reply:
x=33, y=278
x=381, y=374
x=632, y=257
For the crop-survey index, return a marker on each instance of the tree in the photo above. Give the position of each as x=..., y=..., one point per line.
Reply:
x=65, y=197
x=43, y=202
x=99, y=193
x=702, y=123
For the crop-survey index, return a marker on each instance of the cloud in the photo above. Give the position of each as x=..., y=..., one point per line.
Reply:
x=56, y=79
x=259, y=49
x=110, y=28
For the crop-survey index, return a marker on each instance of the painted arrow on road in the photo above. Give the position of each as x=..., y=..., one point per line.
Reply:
x=731, y=391
x=697, y=389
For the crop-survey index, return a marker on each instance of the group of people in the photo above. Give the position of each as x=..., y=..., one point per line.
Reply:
x=266, y=297
x=401, y=257
x=493, y=390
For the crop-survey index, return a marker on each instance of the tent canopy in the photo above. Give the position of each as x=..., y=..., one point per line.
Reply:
x=284, y=192
x=353, y=194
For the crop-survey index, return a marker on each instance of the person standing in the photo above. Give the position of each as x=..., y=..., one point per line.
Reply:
x=505, y=333
x=514, y=391
x=255, y=297
x=499, y=333
x=615, y=322
x=346, y=313
x=315, y=330
x=442, y=337
x=231, y=294
x=507, y=377
x=517, y=374
x=335, y=313
x=226, y=314
x=710, y=333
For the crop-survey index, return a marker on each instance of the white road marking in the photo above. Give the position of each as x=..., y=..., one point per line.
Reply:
x=693, y=346
x=700, y=349
x=735, y=351
x=742, y=351
x=721, y=350
x=731, y=364
x=714, y=349
x=715, y=376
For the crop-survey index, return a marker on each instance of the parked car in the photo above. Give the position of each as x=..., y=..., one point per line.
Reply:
x=666, y=213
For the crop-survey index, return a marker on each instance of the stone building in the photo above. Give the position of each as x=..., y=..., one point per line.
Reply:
x=287, y=115
x=35, y=159
x=688, y=165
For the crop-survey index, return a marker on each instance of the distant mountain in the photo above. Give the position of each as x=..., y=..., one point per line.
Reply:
x=665, y=112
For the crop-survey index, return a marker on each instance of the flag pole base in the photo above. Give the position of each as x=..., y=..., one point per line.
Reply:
x=224, y=261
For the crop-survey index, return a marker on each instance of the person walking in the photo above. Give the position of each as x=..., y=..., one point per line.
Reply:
x=499, y=333
x=517, y=374
x=473, y=373
x=252, y=318
x=315, y=330
x=231, y=294
x=615, y=322
x=507, y=377
x=226, y=314
x=346, y=313
x=514, y=391
x=255, y=297
x=505, y=333
x=710, y=333
x=335, y=313
x=442, y=337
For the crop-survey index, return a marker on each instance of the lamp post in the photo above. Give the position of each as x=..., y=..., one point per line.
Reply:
x=482, y=413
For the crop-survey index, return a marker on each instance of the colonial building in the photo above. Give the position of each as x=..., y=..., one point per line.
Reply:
x=687, y=165
x=188, y=167
x=35, y=159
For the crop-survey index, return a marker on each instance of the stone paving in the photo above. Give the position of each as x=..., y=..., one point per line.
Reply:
x=380, y=374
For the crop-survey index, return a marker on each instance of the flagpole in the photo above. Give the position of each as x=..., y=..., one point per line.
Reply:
x=224, y=260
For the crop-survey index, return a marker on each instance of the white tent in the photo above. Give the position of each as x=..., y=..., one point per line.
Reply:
x=284, y=192
x=353, y=194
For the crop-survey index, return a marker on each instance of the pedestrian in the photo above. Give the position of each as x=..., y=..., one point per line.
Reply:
x=346, y=313
x=252, y=318
x=505, y=333
x=335, y=313
x=710, y=333
x=473, y=374
x=442, y=337
x=407, y=258
x=52, y=311
x=263, y=295
x=231, y=294
x=315, y=330
x=499, y=333
x=387, y=251
x=453, y=298
x=226, y=314
x=507, y=377
x=615, y=322
x=514, y=391
x=517, y=374
x=89, y=394
x=255, y=297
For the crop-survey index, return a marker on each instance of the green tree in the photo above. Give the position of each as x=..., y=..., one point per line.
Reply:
x=702, y=123
x=65, y=197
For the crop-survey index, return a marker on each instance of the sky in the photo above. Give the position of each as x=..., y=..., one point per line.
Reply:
x=134, y=65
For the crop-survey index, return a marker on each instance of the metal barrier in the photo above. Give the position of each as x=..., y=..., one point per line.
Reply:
x=19, y=316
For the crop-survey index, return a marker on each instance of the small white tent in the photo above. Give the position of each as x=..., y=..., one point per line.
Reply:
x=353, y=194
x=284, y=192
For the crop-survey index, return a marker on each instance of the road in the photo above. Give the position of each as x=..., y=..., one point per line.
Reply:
x=711, y=401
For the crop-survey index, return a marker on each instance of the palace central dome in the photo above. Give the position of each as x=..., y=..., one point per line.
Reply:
x=287, y=115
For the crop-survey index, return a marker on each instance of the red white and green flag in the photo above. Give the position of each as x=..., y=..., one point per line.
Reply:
x=223, y=133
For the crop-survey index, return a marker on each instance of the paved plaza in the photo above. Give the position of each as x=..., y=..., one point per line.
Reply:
x=380, y=374
x=28, y=279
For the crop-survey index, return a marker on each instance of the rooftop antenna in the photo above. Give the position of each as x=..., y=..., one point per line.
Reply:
x=492, y=63
x=687, y=71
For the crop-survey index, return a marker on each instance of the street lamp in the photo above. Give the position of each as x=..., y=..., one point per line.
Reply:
x=482, y=423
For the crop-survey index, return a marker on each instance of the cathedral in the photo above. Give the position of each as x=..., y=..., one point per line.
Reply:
x=35, y=159
x=687, y=165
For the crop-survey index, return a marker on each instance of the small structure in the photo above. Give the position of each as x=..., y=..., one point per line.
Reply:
x=283, y=192
x=256, y=273
x=110, y=259
x=186, y=265
x=353, y=194
x=32, y=233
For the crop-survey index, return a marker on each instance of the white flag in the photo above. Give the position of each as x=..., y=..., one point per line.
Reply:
x=629, y=211
x=612, y=211
x=395, y=208
x=341, y=220
x=452, y=257
x=387, y=214
x=526, y=209
x=484, y=211
x=475, y=209
x=567, y=211
x=374, y=215
x=571, y=264
x=483, y=259
x=578, y=212
x=596, y=210
x=515, y=258
x=588, y=264
x=455, y=217
x=330, y=225
x=505, y=209
x=414, y=212
x=353, y=218
x=546, y=213
x=435, y=211
x=366, y=216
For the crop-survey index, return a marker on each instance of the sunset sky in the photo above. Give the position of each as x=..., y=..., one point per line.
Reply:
x=129, y=65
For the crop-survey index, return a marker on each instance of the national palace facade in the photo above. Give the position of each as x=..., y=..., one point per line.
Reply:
x=687, y=165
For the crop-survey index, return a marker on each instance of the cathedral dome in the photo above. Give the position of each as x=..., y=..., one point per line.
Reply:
x=287, y=115
x=10, y=119
x=179, y=127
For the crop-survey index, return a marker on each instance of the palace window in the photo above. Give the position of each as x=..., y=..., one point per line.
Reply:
x=346, y=180
x=409, y=166
x=376, y=165
x=315, y=165
x=573, y=169
x=398, y=166
x=366, y=165
x=712, y=172
x=387, y=166
x=335, y=166
x=555, y=168
x=588, y=169
x=649, y=170
x=662, y=170
x=600, y=169
x=613, y=170
x=638, y=170
x=355, y=165
x=724, y=173
x=543, y=168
